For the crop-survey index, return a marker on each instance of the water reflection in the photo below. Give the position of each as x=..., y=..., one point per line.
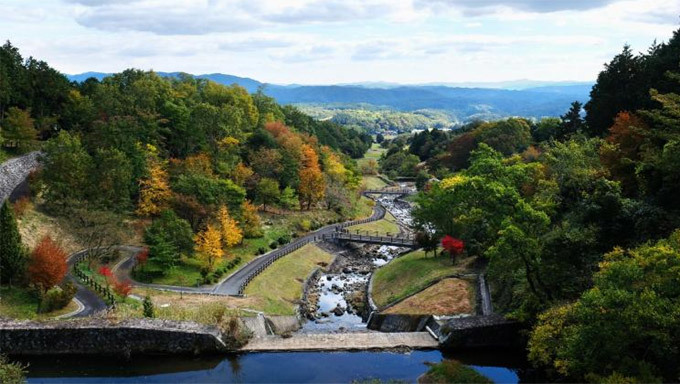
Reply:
x=288, y=367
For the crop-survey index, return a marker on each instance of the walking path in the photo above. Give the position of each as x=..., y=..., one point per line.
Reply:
x=90, y=303
x=342, y=342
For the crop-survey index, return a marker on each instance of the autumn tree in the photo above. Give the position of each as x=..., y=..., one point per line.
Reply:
x=312, y=183
x=241, y=173
x=47, y=266
x=12, y=252
x=154, y=190
x=229, y=229
x=209, y=246
x=252, y=226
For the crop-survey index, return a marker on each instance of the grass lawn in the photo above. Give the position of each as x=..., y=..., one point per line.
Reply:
x=19, y=303
x=386, y=225
x=447, y=297
x=373, y=153
x=410, y=273
x=373, y=182
x=279, y=287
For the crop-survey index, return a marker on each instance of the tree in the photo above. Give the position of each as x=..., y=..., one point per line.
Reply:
x=571, y=122
x=312, y=186
x=618, y=88
x=168, y=237
x=288, y=198
x=67, y=167
x=18, y=129
x=12, y=252
x=112, y=182
x=379, y=138
x=209, y=246
x=148, y=307
x=453, y=246
x=47, y=266
x=231, y=233
x=267, y=191
x=625, y=326
x=427, y=241
x=154, y=190
x=252, y=227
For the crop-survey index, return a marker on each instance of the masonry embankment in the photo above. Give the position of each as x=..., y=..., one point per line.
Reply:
x=105, y=337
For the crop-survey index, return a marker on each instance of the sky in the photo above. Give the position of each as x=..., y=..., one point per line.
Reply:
x=339, y=41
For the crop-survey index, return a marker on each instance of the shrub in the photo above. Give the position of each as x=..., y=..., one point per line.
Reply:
x=304, y=225
x=57, y=298
x=21, y=206
x=284, y=239
x=273, y=245
x=11, y=373
x=148, y=307
x=122, y=288
x=451, y=371
x=261, y=251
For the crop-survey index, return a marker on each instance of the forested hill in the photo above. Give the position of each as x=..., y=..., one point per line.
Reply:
x=462, y=102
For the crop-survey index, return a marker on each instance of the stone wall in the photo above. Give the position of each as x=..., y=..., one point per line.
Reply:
x=492, y=331
x=104, y=337
x=397, y=323
x=14, y=171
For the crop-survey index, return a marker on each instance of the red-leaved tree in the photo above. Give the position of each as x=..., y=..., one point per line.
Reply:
x=106, y=272
x=122, y=288
x=453, y=246
x=142, y=257
x=47, y=266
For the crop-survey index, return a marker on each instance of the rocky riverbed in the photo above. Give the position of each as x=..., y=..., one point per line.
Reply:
x=336, y=301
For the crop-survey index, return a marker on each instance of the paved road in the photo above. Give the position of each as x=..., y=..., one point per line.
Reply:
x=90, y=301
x=232, y=285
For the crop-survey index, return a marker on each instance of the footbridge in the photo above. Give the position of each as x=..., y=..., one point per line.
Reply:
x=390, y=191
x=372, y=237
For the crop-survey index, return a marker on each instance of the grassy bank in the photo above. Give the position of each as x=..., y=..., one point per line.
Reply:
x=386, y=225
x=410, y=273
x=373, y=182
x=447, y=297
x=18, y=303
x=279, y=287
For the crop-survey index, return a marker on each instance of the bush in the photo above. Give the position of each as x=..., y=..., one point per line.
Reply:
x=285, y=239
x=304, y=225
x=273, y=245
x=57, y=298
x=21, y=205
x=147, y=276
x=451, y=371
x=261, y=251
x=11, y=373
x=148, y=307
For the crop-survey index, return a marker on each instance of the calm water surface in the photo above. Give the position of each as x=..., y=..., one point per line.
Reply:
x=288, y=367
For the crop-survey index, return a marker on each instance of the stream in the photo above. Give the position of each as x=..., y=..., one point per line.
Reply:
x=337, y=301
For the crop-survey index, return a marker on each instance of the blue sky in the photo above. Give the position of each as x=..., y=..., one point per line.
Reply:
x=339, y=41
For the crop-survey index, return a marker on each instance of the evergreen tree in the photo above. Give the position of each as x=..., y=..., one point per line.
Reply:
x=12, y=253
x=571, y=121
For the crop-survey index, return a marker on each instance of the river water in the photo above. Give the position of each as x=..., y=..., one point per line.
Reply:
x=289, y=367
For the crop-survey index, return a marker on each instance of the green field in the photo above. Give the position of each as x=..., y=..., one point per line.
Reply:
x=373, y=182
x=411, y=273
x=279, y=287
x=373, y=153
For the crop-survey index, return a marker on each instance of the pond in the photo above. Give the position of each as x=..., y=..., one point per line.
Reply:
x=287, y=367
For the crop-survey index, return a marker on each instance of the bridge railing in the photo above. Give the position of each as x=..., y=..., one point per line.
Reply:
x=84, y=278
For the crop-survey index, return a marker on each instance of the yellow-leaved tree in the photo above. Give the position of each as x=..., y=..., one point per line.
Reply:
x=209, y=246
x=252, y=227
x=231, y=233
x=154, y=190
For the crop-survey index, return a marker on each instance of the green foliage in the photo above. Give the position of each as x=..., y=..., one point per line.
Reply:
x=267, y=191
x=148, y=306
x=210, y=190
x=13, y=255
x=168, y=237
x=505, y=136
x=67, y=167
x=399, y=163
x=18, y=130
x=625, y=325
x=452, y=371
x=57, y=298
x=288, y=198
x=11, y=373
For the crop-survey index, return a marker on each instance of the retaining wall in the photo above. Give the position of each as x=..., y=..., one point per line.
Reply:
x=104, y=337
x=493, y=331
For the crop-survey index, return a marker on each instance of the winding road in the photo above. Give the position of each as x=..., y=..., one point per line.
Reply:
x=232, y=285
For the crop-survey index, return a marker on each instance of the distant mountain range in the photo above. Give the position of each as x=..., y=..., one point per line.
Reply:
x=465, y=101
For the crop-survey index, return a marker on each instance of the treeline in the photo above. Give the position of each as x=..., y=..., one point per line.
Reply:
x=193, y=156
x=368, y=118
x=577, y=220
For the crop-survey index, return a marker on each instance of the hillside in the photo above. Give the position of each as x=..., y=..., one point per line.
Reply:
x=525, y=98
